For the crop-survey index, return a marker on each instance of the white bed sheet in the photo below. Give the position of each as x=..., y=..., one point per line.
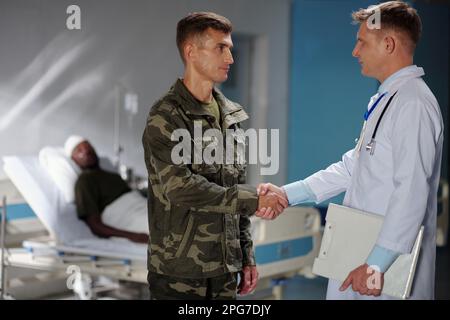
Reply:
x=58, y=216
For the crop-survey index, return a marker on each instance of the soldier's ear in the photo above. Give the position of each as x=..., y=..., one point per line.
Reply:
x=189, y=50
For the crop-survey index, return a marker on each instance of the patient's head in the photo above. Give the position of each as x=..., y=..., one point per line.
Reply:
x=81, y=152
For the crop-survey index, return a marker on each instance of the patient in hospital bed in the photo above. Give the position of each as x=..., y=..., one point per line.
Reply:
x=103, y=200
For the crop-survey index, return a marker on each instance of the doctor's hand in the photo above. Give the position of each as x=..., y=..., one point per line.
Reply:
x=270, y=205
x=365, y=281
x=263, y=188
x=268, y=211
x=249, y=280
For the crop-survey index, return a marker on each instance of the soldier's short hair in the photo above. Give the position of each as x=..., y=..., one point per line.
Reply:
x=395, y=15
x=198, y=22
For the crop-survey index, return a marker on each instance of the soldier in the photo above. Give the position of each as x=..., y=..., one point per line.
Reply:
x=199, y=213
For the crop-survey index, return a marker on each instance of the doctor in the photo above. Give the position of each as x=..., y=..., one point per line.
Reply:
x=395, y=168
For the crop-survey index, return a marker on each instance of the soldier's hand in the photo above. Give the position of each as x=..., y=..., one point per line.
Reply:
x=249, y=280
x=271, y=204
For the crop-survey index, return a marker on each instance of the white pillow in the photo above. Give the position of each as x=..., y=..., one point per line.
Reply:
x=63, y=171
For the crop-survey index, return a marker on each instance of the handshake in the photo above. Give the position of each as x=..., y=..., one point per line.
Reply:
x=272, y=201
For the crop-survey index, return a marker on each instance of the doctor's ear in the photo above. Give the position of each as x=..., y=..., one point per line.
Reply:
x=389, y=44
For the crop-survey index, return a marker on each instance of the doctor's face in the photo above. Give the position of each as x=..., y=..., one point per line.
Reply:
x=85, y=156
x=369, y=50
x=211, y=55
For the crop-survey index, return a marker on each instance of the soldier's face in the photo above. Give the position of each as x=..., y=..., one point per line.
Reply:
x=211, y=55
x=85, y=156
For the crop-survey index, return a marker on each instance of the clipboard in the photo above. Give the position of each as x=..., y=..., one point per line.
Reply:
x=348, y=239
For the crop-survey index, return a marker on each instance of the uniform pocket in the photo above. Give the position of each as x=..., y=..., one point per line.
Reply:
x=204, y=168
x=241, y=168
x=187, y=238
x=209, y=171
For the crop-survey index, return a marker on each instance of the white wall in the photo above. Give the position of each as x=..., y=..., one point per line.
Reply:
x=54, y=81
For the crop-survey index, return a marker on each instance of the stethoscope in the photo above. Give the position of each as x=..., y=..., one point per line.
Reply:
x=370, y=147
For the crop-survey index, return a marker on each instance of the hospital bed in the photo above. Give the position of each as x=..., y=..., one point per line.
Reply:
x=283, y=247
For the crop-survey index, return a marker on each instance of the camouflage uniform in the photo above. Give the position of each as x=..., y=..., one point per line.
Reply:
x=173, y=288
x=198, y=213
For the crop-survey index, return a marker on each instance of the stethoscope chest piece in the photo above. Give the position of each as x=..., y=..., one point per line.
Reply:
x=371, y=146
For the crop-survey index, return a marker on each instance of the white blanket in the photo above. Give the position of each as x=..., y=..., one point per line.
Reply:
x=129, y=212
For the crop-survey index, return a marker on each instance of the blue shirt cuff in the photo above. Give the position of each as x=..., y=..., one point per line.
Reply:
x=299, y=192
x=382, y=258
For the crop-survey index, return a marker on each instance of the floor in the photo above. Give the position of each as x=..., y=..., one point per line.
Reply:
x=442, y=291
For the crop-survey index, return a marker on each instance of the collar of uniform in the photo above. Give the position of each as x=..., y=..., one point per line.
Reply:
x=192, y=106
x=372, y=100
x=400, y=76
x=232, y=112
x=186, y=100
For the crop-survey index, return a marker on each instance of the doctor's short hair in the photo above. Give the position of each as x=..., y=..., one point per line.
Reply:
x=196, y=23
x=395, y=15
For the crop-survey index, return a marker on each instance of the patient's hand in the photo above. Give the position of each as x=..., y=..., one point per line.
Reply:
x=102, y=230
x=271, y=209
x=139, y=237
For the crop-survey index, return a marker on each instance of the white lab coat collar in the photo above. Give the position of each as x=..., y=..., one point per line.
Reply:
x=397, y=78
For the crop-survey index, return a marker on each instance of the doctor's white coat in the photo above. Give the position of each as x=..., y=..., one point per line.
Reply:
x=400, y=180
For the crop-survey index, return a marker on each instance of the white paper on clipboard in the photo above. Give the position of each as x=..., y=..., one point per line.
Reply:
x=348, y=238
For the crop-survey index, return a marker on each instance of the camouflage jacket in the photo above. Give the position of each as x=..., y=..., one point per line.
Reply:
x=198, y=213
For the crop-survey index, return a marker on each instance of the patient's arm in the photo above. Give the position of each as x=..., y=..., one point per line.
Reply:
x=104, y=231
